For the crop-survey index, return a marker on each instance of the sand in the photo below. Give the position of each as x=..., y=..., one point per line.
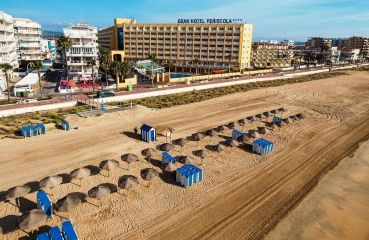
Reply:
x=234, y=201
x=337, y=208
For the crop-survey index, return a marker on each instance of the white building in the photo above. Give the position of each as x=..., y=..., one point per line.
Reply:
x=83, y=50
x=289, y=43
x=349, y=54
x=8, y=46
x=28, y=34
x=335, y=54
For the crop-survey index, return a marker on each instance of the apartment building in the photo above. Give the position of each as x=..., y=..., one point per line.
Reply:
x=83, y=50
x=318, y=42
x=8, y=46
x=203, y=45
x=269, y=55
x=361, y=43
x=28, y=35
x=104, y=37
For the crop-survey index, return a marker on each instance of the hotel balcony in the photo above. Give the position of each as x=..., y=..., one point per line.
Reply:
x=7, y=38
x=33, y=32
x=6, y=28
x=31, y=39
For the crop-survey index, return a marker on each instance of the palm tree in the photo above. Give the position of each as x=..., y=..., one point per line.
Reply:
x=169, y=64
x=120, y=69
x=92, y=64
x=63, y=43
x=104, y=59
x=151, y=57
x=309, y=57
x=196, y=63
x=6, y=68
x=229, y=58
x=38, y=65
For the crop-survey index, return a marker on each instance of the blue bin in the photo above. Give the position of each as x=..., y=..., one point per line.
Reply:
x=55, y=233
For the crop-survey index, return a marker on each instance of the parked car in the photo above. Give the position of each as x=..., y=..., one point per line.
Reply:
x=105, y=93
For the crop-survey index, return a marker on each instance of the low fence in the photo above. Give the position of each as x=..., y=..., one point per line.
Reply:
x=16, y=111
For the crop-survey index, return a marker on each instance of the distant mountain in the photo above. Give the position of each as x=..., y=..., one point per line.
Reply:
x=48, y=34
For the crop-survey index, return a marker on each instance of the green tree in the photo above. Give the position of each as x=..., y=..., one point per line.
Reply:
x=229, y=58
x=121, y=70
x=196, y=63
x=310, y=57
x=38, y=66
x=104, y=60
x=63, y=43
x=92, y=64
x=169, y=64
x=7, y=68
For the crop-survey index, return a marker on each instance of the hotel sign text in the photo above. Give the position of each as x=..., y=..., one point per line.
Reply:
x=210, y=20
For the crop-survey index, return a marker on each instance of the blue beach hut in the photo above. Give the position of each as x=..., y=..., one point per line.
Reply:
x=44, y=203
x=237, y=135
x=26, y=131
x=188, y=175
x=167, y=158
x=42, y=236
x=55, y=233
x=148, y=133
x=276, y=119
x=68, y=231
x=262, y=146
x=41, y=128
x=65, y=124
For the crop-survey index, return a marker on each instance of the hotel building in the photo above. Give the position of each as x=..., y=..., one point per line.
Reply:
x=200, y=45
x=28, y=35
x=8, y=46
x=358, y=43
x=83, y=50
x=318, y=42
x=269, y=55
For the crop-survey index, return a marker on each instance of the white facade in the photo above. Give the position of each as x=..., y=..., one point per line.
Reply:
x=28, y=34
x=8, y=46
x=349, y=54
x=84, y=48
x=289, y=43
x=335, y=54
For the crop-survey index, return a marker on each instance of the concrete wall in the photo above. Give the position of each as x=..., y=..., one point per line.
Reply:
x=16, y=111
x=127, y=81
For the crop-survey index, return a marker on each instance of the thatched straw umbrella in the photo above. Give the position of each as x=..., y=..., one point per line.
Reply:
x=231, y=125
x=149, y=174
x=148, y=153
x=254, y=134
x=182, y=142
x=266, y=114
x=282, y=110
x=68, y=203
x=170, y=167
x=300, y=116
x=197, y=137
x=17, y=192
x=259, y=116
x=127, y=182
x=99, y=192
x=262, y=130
x=109, y=165
x=129, y=158
x=211, y=132
x=219, y=148
x=280, y=123
x=294, y=118
x=286, y=120
x=222, y=128
x=166, y=147
x=187, y=160
x=32, y=219
x=51, y=182
x=231, y=142
x=80, y=174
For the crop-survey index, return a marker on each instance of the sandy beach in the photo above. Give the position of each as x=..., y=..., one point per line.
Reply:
x=338, y=206
x=243, y=194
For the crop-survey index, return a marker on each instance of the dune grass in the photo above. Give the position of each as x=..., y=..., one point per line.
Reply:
x=202, y=95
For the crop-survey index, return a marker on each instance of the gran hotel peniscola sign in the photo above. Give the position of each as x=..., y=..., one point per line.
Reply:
x=210, y=20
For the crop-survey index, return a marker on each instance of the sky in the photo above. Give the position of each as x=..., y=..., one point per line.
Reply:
x=272, y=19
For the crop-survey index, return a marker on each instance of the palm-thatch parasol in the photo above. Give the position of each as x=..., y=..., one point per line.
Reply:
x=197, y=137
x=259, y=116
x=219, y=148
x=231, y=142
x=148, y=152
x=17, y=192
x=149, y=174
x=300, y=116
x=262, y=130
x=211, y=132
x=280, y=123
x=166, y=147
x=231, y=125
x=242, y=121
x=80, y=173
x=127, y=182
x=32, y=219
x=50, y=182
x=251, y=118
x=294, y=117
x=254, y=134
x=68, y=203
x=200, y=153
x=222, y=128
x=129, y=158
x=170, y=167
x=187, y=160
x=109, y=165
x=286, y=120
x=266, y=114
x=182, y=142
x=99, y=192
